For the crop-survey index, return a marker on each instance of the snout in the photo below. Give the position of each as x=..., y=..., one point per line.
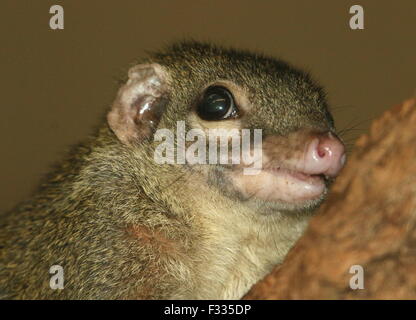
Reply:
x=294, y=167
x=325, y=154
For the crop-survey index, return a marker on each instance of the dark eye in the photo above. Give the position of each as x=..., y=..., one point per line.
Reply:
x=216, y=104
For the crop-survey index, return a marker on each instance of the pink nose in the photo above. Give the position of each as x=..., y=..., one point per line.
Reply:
x=324, y=155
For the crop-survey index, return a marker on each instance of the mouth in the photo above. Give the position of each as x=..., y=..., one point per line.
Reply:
x=308, y=186
x=281, y=185
x=307, y=178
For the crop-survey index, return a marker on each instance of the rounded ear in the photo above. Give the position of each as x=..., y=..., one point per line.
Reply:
x=140, y=103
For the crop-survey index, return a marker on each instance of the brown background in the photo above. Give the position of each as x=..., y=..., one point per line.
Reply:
x=56, y=84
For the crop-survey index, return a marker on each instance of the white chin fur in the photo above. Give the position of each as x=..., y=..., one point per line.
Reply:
x=279, y=185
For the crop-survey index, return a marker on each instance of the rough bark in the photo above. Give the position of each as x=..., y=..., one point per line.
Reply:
x=368, y=220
